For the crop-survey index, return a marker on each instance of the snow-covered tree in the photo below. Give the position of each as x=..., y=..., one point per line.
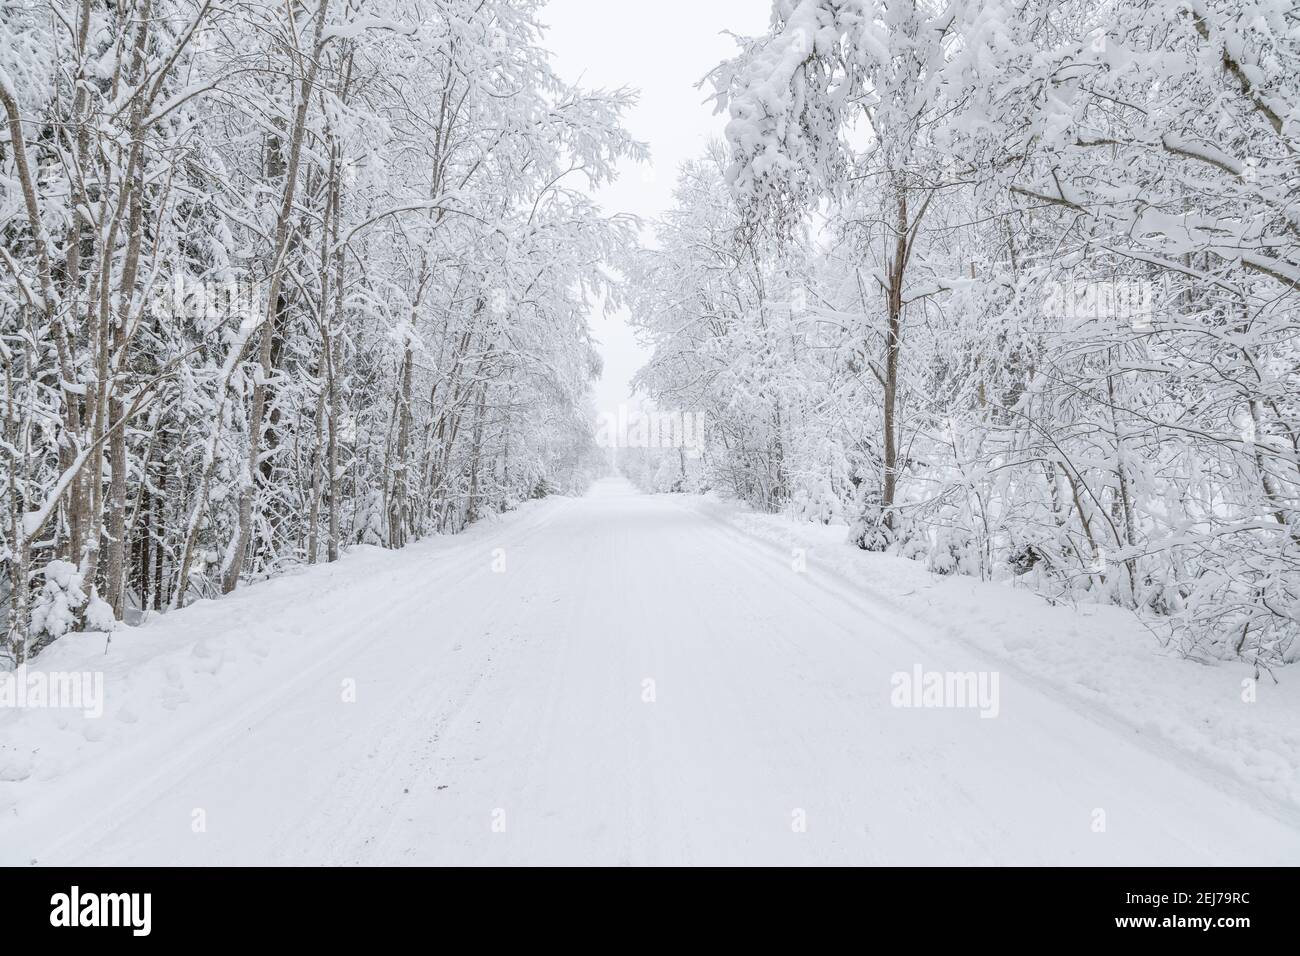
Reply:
x=283, y=276
x=1012, y=289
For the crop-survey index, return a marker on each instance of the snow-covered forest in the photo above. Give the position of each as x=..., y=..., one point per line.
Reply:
x=1006, y=286
x=1010, y=288
x=281, y=278
x=626, y=432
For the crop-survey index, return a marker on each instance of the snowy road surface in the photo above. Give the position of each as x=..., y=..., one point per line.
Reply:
x=501, y=716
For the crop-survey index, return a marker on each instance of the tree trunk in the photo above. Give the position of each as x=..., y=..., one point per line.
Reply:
x=275, y=304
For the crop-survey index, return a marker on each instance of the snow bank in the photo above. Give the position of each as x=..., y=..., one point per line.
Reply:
x=1224, y=715
x=182, y=675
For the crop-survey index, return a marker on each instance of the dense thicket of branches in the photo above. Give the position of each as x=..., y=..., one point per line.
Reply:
x=1010, y=287
x=280, y=276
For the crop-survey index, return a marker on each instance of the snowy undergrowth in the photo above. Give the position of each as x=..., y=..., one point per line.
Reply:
x=183, y=674
x=1098, y=656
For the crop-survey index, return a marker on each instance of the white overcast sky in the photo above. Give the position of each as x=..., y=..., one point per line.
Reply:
x=661, y=48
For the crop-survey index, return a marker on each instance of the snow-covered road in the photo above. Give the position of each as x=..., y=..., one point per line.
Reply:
x=503, y=714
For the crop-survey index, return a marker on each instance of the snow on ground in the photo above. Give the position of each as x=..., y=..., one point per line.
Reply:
x=642, y=679
x=1100, y=657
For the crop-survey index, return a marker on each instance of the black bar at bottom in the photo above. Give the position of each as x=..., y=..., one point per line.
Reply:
x=367, y=906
